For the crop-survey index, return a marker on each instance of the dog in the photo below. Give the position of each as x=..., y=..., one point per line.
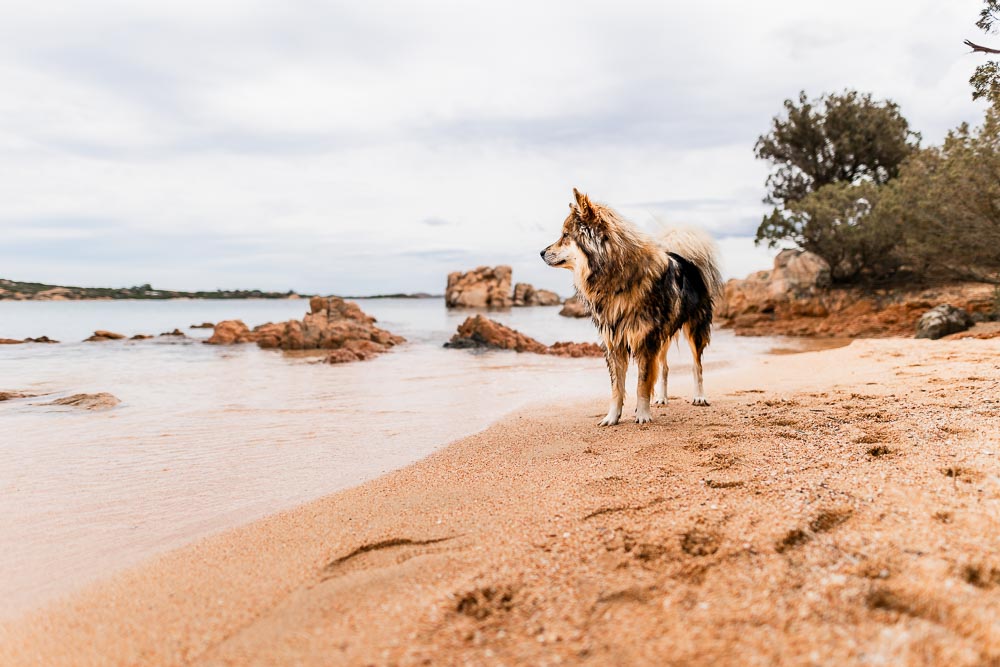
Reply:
x=642, y=293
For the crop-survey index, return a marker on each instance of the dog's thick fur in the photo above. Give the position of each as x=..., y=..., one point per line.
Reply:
x=641, y=292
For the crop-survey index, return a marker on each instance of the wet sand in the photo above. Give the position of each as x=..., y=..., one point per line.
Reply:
x=836, y=507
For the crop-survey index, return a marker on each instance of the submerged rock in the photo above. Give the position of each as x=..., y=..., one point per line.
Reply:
x=331, y=324
x=203, y=325
x=101, y=335
x=10, y=341
x=40, y=339
x=568, y=349
x=175, y=332
x=482, y=332
x=484, y=287
x=99, y=401
x=943, y=320
x=140, y=337
x=12, y=395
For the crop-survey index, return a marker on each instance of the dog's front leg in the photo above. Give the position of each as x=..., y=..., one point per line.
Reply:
x=617, y=360
x=646, y=364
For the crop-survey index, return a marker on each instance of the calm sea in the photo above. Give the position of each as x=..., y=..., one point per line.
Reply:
x=207, y=437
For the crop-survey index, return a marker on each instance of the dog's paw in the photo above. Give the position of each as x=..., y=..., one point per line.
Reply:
x=699, y=400
x=643, y=418
x=610, y=420
x=660, y=401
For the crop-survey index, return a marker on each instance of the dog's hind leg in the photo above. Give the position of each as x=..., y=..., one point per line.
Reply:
x=698, y=336
x=661, y=398
x=617, y=360
x=646, y=364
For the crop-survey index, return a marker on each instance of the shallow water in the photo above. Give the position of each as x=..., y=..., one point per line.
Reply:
x=207, y=437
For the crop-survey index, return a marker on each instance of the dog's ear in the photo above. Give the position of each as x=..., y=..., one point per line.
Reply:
x=584, y=204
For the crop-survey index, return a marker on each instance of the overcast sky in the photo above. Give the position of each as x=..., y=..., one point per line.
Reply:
x=375, y=146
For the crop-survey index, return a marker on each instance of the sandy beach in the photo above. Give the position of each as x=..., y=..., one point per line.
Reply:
x=832, y=507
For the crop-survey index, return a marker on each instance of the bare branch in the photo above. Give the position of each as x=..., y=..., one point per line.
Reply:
x=976, y=48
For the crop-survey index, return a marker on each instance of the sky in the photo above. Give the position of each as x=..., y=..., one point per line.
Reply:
x=372, y=147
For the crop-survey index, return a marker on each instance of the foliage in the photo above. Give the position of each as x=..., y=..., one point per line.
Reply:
x=836, y=223
x=946, y=205
x=986, y=79
x=836, y=138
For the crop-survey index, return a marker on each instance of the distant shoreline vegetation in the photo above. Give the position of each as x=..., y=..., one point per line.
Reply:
x=12, y=290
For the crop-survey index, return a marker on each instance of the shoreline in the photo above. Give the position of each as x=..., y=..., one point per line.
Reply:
x=545, y=536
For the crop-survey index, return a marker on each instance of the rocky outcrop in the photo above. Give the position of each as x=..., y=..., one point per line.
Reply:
x=331, y=324
x=566, y=349
x=942, y=320
x=484, y=287
x=482, y=332
x=100, y=401
x=525, y=294
x=175, y=332
x=140, y=337
x=796, y=299
x=13, y=395
x=574, y=307
x=14, y=341
x=209, y=325
x=101, y=335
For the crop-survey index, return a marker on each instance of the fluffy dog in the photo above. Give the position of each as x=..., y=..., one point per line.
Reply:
x=641, y=293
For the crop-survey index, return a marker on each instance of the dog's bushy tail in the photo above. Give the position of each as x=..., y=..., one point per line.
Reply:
x=698, y=248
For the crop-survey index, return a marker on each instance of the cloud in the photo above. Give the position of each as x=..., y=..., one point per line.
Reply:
x=307, y=145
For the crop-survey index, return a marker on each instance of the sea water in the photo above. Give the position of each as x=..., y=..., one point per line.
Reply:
x=211, y=437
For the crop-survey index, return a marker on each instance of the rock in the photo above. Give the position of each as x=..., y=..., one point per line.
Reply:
x=482, y=332
x=10, y=341
x=175, y=332
x=11, y=395
x=229, y=332
x=484, y=287
x=574, y=307
x=331, y=324
x=566, y=349
x=101, y=335
x=40, y=339
x=140, y=337
x=943, y=320
x=101, y=401
x=479, y=331
x=527, y=295
x=203, y=325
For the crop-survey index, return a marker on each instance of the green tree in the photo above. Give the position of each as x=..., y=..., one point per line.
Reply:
x=945, y=205
x=837, y=223
x=986, y=79
x=837, y=138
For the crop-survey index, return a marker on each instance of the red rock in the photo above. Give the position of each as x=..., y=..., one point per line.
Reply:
x=482, y=332
x=203, y=325
x=175, y=332
x=484, y=287
x=574, y=307
x=566, y=349
x=10, y=341
x=796, y=299
x=526, y=295
x=330, y=324
x=101, y=335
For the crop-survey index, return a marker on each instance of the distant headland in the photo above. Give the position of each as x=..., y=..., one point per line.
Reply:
x=12, y=290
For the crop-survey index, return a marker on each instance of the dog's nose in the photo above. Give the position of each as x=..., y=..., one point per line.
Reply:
x=542, y=254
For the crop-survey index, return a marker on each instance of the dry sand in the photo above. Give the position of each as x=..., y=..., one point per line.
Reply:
x=836, y=507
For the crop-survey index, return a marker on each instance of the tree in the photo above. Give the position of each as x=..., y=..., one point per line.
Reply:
x=836, y=138
x=837, y=223
x=945, y=205
x=986, y=79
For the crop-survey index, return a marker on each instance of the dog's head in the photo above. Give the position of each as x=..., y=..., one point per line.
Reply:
x=583, y=232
